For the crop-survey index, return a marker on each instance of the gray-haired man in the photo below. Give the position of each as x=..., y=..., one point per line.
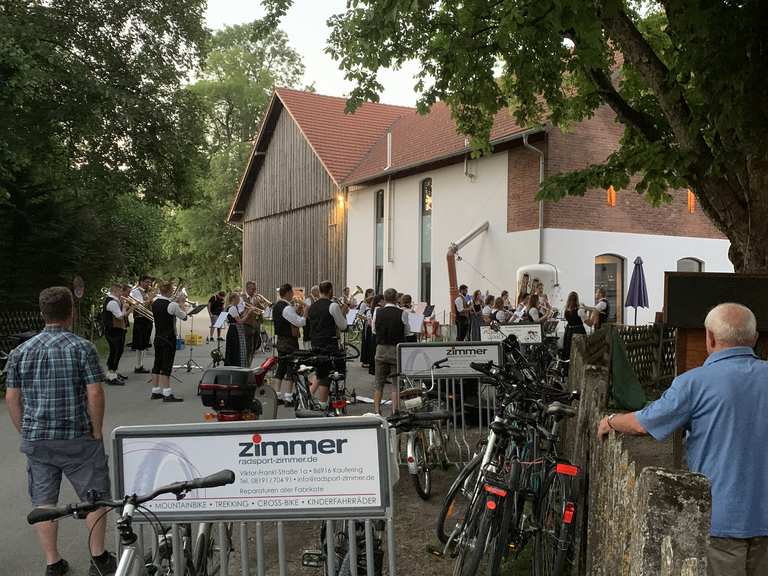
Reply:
x=723, y=405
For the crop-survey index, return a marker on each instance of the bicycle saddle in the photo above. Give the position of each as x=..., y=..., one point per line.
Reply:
x=560, y=409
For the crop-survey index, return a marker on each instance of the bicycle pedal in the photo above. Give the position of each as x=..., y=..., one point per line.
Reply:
x=436, y=552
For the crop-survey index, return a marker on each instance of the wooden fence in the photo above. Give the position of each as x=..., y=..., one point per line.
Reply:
x=650, y=351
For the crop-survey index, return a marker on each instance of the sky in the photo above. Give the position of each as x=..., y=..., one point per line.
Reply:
x=307, y=32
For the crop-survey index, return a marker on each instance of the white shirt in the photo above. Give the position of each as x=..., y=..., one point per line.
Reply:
x=173, y=308
x=234, y=311
x=137, y=294
x=459, y=302
x=405, y=319
x=290, y=314
x=500, y=316
x=114, y=307
x=487, y=310
x=335, y=311
x=534, y=314
x=363, y=309
x=601, y=305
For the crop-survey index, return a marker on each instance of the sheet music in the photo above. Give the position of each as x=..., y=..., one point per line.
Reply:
x=221, y=320
x=351, y=316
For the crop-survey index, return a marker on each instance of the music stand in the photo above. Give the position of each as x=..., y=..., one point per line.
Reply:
x=191, y=363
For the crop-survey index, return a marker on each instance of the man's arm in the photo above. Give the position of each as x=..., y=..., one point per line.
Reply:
x=622, y=423
x=15, y=406
x=338, y=317
x=290, y=314
x=95, y=395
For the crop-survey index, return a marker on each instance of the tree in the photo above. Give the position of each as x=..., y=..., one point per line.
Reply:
x=244, y=64
x=97, y=131
x=690, y=88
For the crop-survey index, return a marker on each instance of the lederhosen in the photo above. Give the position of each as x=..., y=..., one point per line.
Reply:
x=324, y=339
x=114, y=332
x=142, y=332
x=287, y=341
x=165, y=337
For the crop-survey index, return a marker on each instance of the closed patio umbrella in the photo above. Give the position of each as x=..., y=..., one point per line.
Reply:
x=637, y=295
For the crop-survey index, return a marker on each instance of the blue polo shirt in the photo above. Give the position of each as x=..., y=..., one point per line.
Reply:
x=724, y=407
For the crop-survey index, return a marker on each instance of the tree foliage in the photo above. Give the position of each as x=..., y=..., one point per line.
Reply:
x=243, y=66
x=685, y=77
x=96, y=131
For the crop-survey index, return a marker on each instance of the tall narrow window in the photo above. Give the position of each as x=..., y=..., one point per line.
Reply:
x=609, y=275
x=378, y=278
x=426, y=240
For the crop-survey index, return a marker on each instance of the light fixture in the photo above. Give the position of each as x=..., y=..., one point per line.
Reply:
x=611, y=196
x=340, y=199
x=691, y=201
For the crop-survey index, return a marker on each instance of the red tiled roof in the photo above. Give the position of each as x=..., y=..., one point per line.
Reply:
x=418, y=140
x=340, y=140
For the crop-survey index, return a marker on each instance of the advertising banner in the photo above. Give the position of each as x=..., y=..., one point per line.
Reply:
x=283, y=468
x=526, y=333
x=415, y=359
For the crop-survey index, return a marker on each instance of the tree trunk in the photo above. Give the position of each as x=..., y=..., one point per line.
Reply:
x=741, y=213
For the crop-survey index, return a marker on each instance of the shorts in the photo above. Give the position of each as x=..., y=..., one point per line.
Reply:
x=286, y=346
x=386, y=365
x=324, y=369
x=81, y=460
x=164, y=355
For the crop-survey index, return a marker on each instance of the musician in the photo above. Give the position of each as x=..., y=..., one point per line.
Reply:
x=142, y=326
x=236, y=347
x=165, y=313
x=252, y=326
x=406, y=303
x=348, y=299
x=500, y=314
x=287, y=320
x=327, y=318
x=314, y=296
x=601, y=312
x=215, y=307
x=487, y=310
x=523, y=292
x=505, y=298
x=475, y=315
x=462, y=314
x=390, y=324
x=365, y=307
x=114, y=314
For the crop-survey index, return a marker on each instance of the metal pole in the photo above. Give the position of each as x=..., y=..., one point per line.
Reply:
x=245, y=569
x=455, y=416
x=391, y=546
x=370, y=566
x=464, y=422
x=260, y=564
x=223, y=549
x=281, y=550
x=330, y=547
x=178, y=552
x=352, y=532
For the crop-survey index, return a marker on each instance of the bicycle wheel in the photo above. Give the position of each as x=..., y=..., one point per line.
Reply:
x=458, y=500
x=479, y=537
x=422, y=480
x=351, y=351
x=555, y=515
x=208, y=550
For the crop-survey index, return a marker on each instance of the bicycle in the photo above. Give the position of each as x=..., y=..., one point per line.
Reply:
x=517, y=471
x=423, y=420
x=130, y=504
x=304, y=363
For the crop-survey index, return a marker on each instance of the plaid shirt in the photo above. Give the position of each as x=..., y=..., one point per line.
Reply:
x=53, y=369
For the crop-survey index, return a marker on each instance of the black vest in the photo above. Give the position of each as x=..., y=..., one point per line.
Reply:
x=323, y=324
x=165, y=324
x=602, y=317
x=283, y=328
x=390, y=329
x=107, y=316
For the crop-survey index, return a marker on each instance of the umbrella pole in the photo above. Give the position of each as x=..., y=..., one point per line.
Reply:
x=635, y=316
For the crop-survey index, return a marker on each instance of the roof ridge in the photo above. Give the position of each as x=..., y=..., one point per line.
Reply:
x=345, y=98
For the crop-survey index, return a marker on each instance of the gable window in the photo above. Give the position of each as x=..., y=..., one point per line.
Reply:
x=378, y=277
x=425, y=276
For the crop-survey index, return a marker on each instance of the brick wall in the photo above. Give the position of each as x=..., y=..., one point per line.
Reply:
x=590, y=142
x=522, y=182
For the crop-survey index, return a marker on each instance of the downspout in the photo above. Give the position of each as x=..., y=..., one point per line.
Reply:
x=541, y=202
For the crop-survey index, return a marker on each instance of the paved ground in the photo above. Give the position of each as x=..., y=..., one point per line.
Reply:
x=131, y=405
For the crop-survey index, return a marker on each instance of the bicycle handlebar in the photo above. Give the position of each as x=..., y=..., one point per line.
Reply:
x=221, y=478
x=439, y=364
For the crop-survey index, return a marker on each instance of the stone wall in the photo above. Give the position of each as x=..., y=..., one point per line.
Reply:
x=638, y=517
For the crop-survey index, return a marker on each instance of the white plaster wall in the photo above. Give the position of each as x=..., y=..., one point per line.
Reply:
x=574, y=251
x=402, y=270
x=361, y=230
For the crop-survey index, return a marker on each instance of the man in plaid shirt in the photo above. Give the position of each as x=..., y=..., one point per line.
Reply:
x=56, y=402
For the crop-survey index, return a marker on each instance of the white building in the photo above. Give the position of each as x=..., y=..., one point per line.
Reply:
x=409, y=189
